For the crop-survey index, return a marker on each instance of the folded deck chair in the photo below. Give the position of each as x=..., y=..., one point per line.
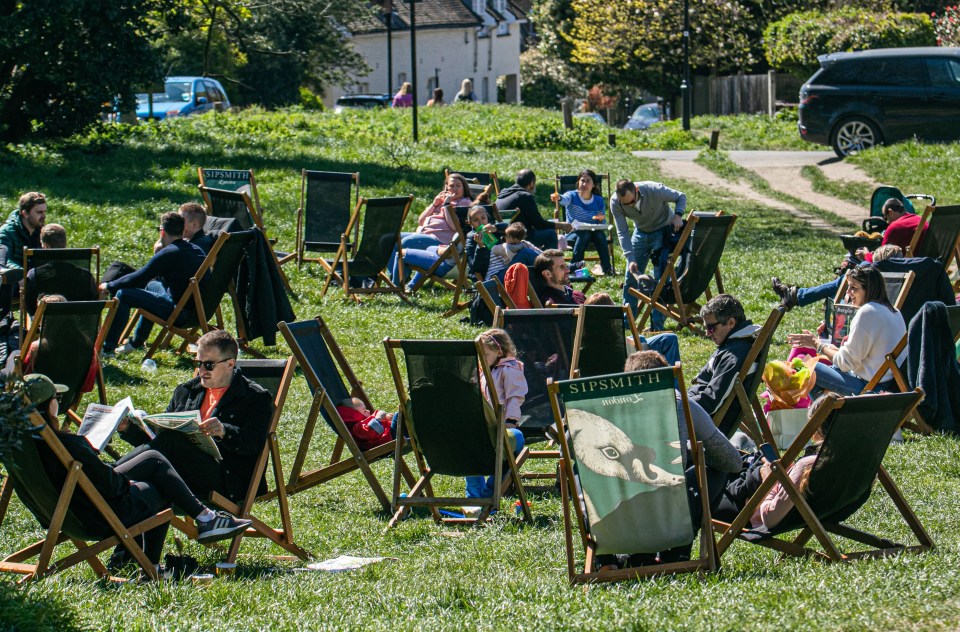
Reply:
x=678, y=291
x=858, y=431
x=201, y=301
x=74, y=273
x=69, y=337
x=52, y=503
x=469, y=439
x=942, y=235
x=326, y=201
x=379, y=236
x=603, y=335
x=275, y=376
x=238, y=205
x=741, y=409
x=562, y=184
x=331, y=380
x=623, y=469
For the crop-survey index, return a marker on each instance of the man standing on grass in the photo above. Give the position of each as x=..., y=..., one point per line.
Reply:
x=647, y=204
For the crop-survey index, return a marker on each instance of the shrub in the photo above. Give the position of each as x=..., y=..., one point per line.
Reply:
x=793, y=43
x=545, y=80
x=947, y=26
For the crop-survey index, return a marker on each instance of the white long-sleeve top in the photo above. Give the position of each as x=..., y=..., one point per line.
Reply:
x=874, y=332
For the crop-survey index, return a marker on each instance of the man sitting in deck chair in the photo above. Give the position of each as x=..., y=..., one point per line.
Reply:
x=174, y=264
x=551, y=280
x=194, y=218
x=57, y=277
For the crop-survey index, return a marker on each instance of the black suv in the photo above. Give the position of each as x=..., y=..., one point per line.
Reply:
x=364, y=101
x=858, y=100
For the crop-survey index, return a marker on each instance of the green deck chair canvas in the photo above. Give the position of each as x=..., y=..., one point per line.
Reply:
x=471, y=442
x=701, y=245
x=623, y=483
x=858, y=431
x=239, y=180
x=327, y=199
x=606, y=335
x=379, y=235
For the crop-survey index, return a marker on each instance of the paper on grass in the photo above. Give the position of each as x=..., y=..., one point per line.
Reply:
x=345, y=563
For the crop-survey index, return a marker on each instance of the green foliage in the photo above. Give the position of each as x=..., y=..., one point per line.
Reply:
x=309, y=100
x=13, y=419
x=545, y=80
x=793, y=43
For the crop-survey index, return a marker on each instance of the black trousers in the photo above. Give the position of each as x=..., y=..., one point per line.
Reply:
x=201, y=472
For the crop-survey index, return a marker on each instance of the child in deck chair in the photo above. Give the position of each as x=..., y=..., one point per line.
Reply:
x=586, y=206
x=515, y=249
x=500, y=354
x=370, y=429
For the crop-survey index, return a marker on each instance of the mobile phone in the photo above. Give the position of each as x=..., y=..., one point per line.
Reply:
x=768, y=452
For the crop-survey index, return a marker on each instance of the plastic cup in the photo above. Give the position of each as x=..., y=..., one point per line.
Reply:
x=149, y=365
x=225, y=569
x=201, y=580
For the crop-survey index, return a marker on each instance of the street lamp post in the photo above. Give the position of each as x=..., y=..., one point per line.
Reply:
x=413, y=65
x=685, y=84
x=389, y=18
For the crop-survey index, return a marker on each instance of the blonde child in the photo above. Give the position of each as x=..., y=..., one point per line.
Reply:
x=370, y=429
x=515, y=249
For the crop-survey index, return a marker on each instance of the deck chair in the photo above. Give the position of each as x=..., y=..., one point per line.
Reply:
x=69, y=337
x=379, y=236
x=601, y=344
x=50, y=503
x=677, y=291
x=857, y=433
x=493, y=295
x=238, y=205
x=897, y=284
x=239, y=180
x=325, y=206
x=741, y=408
x=71, y=272
x=942, y=235
x=275, y=376
x=637, y=501
x=201, y=301
x=562, y=184
x=331, y=380
x=478, y=181
x=470, y=442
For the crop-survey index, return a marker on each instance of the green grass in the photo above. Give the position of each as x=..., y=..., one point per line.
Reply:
x=108, y=191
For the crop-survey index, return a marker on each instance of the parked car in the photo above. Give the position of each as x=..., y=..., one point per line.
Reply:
x=367, y=101
x=644, y=116
x=596, y=116
x=858, y=100
x=183, y=96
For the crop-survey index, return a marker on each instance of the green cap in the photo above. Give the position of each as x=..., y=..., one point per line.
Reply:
x=39, y=388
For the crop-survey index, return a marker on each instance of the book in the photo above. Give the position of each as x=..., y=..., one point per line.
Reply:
x=838, y=317
x=101, y=421
x=187, y=422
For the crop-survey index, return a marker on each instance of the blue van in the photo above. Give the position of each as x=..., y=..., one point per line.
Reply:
x=183, y=96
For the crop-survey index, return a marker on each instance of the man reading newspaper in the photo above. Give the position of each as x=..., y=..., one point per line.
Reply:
x=234, y=411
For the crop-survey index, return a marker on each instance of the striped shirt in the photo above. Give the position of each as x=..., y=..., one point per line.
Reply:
x=580, y=211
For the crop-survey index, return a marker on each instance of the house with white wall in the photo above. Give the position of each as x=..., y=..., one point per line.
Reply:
x=456, y=40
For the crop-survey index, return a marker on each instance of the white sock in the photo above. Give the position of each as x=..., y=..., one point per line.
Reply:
x=207, y=515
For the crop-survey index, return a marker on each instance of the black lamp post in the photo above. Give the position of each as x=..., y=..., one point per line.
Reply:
x=685, y=84
x=413, y=64
x=389, y=18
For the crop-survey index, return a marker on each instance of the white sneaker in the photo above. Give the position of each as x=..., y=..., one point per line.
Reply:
x=471, y=512
x=125, y=348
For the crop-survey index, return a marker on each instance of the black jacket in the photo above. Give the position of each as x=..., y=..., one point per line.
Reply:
x=932, y=365
x=930, y=284
x=261, y=295
x=516, y=197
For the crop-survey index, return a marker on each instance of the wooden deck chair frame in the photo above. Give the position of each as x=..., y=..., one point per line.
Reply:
x=948, y=253
x=506, y=302
x=339, y=464
x=43, y=550
x=631, y=331
x=421, y=492
x=54, y=253
x=487, y=180
x=559, y=214
x=256, y=219
x=684, y=313
x=305, y=176
x=193, y=297
x=897, y=301
x=340, y=267
x=34, y=332
x=814, y=527
x=752, y=419
x=570, y=491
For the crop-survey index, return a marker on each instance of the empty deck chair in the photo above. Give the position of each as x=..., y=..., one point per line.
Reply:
x=326, y=201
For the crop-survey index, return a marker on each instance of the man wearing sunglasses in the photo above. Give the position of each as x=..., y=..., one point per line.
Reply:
x=728, y=327
x=235, y=411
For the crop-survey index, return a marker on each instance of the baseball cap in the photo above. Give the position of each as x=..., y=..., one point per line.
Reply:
x=39, y=388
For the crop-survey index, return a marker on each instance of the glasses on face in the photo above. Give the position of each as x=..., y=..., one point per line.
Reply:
x=711, y=327
x=207, y=365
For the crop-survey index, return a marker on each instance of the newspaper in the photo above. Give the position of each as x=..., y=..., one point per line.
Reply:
x=345, y=563
x=100, y=422
x=585, y=226
x=188, y=423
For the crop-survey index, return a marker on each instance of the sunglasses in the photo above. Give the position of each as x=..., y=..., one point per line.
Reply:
x=207, y=365
x=711, y=327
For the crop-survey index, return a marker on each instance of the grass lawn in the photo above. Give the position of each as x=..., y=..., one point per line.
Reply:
x=109, y=189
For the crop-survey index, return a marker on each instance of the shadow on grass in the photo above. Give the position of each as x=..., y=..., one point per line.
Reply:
x=115, y=375
x=23, y=609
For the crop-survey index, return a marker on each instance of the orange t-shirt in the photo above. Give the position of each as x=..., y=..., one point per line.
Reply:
x=210, y=400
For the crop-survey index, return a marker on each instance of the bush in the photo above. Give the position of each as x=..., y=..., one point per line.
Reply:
x=947, y=26
x=545, y=80
x=793, y=43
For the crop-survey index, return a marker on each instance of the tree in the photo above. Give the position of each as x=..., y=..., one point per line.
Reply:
x=61, y=60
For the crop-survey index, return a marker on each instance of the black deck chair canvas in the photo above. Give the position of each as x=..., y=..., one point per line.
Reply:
x=74, y=273
x=239, y=206
x=330, y=380
x=473, y=442
x=605, y=336
x=239, y=180
x=201, y=301
x=493, y=295
x=326, y=201
x=379, y=235
x=275, y=376
x=68, y=338
x=857, y=434
x=50, y=503
x=942, y=235
x=623, y=483
x=701, y=244
x=562, y=184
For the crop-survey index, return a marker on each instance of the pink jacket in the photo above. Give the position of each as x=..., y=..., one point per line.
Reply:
x=511, y=386
x=777, y=504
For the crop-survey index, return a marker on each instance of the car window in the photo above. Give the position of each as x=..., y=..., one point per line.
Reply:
x=177, y=90
x=944, y=73
x=903, y=72
x=214, y=91
x=201, y=91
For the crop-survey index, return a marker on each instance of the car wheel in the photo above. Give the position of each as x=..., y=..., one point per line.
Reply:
x=854, y=135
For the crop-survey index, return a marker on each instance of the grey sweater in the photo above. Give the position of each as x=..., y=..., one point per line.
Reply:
x=650, y=212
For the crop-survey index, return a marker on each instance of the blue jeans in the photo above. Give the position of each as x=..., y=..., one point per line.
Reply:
x=482, y=487
x=154, y=299
x=544, y=238
x=413, y=241
x=424, y=259
x=667, y=345
x=810, y=295
x=830, y=378
x=583, y=238
x=646, y=247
